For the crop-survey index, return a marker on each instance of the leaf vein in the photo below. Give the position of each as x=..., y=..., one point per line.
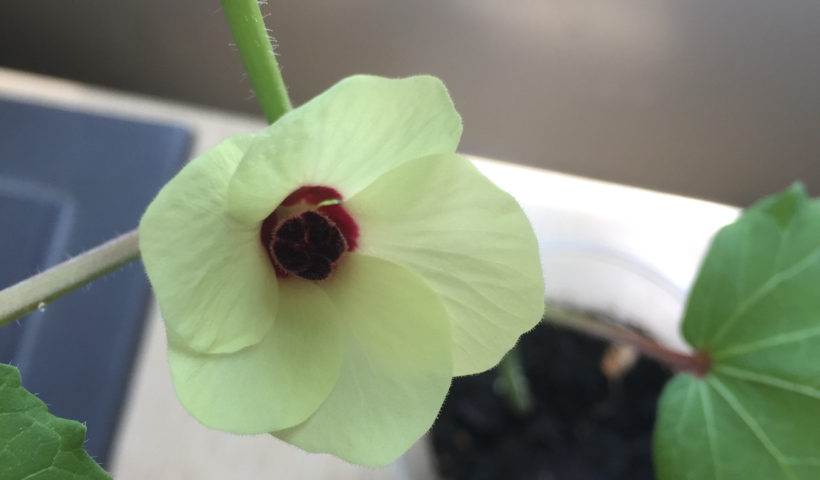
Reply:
x=768, y=342
x=711, y=433
x=768, y=380
x=770, y=285
x=755, y=427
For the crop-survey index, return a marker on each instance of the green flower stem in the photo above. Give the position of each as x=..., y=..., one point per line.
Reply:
x=696, y=363
x=513, y=383
x=251, y=37
x=34, y=292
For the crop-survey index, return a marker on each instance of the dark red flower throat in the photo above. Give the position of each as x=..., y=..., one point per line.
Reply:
x=308, y=233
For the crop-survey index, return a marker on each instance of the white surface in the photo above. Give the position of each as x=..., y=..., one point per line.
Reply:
x=627, y=251
x=604, y=246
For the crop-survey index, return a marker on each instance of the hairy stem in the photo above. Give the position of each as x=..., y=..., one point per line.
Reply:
x=248, y=28
x=697, y=363
x=255, y=49
x=31, y=293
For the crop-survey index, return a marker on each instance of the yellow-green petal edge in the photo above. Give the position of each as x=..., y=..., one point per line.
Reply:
x=397, y=365
x=345, y=138
x=216, y=290
x=275, y=384
x=469, y=240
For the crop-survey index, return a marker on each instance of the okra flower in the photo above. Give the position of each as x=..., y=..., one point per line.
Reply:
x=325, y=279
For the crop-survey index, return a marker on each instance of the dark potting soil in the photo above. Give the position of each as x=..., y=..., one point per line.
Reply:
x=583, y=426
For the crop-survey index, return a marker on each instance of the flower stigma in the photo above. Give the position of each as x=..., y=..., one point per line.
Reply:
x=308, y=233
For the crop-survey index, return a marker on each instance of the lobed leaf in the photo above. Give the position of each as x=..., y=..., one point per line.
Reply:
x=35, y=445
x=755, y=311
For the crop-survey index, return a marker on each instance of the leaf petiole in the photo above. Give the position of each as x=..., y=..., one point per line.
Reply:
x=696, y=363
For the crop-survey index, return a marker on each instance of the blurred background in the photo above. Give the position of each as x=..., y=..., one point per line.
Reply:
x=713, y=99
x=716, y=99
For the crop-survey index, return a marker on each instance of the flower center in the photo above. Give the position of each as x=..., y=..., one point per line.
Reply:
x=307, y=245
x=308, y=233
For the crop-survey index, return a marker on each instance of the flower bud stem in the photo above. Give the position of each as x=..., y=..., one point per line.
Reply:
x=34, y=292
x=513, y=384
x=248, y=29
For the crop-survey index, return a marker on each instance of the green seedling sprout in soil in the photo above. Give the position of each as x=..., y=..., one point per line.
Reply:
x=349, y=243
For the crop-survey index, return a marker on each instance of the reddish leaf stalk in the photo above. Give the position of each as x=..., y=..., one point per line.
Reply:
x=696, y=363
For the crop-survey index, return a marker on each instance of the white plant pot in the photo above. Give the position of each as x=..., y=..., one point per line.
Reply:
x=629, y=252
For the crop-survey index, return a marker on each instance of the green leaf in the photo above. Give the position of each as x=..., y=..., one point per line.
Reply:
x=35, y=445
x=755, y=311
